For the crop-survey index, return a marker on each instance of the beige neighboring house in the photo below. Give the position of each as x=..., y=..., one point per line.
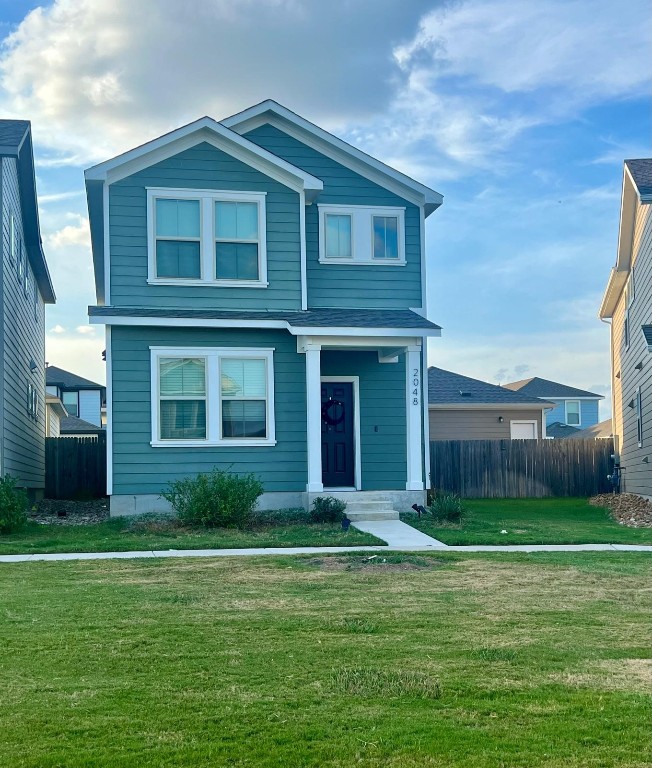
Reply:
x=627, y=303
x=461, y=408
x=55, y=411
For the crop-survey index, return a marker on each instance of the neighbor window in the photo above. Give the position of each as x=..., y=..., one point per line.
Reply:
x=32, y=401
x=71, y=403
x=639, y=417
x=361, y=235
x=207, y=237
x=573, y=412
x=212, y=396
x=12, y=237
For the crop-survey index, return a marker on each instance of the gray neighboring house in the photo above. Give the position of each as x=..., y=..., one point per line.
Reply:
x=462, y=408
x=83, y=400
x=627, y=304
x=572, y=406
x=25, y=289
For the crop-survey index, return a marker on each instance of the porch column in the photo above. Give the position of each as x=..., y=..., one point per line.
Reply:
x=313, y=403
x=414, y=414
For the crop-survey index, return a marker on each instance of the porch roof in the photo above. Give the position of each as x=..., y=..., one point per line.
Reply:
x=299, y=320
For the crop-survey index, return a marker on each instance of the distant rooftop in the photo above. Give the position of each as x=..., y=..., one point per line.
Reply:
x=559, y=431
x=72, y=424
x=448, y=388
x=536, y=387
x=57, y=377
x=641, y=171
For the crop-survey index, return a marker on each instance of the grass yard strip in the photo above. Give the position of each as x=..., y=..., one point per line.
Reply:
x=463, y=661
x=122, y=535
x=533, y=521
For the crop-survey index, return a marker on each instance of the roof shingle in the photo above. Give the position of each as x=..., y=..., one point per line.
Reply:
x=446, y=388
x=537, y=387
x=641, y=171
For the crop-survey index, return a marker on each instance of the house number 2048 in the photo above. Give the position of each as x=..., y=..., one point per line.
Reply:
x=415, y=386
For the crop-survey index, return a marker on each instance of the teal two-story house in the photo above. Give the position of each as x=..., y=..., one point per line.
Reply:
x=262, y=284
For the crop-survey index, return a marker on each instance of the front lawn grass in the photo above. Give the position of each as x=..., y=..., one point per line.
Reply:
x=487, y=661
x=124, y=534
x=533, y=521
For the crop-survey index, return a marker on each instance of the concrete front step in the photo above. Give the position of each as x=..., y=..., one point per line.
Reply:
x=380, y=514
x=367, y=504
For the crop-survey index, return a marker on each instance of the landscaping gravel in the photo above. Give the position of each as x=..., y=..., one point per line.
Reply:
x=68, y=512
x=626, y=508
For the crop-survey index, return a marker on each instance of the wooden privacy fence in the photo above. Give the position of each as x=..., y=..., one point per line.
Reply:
x=75, y=467
x=521, y=468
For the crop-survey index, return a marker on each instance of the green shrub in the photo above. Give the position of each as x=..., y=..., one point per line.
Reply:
x=327, y=509
x=216, y=499
x=446, y=507
x=13, y=506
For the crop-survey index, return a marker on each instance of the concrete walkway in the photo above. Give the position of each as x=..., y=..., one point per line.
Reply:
x=397, y=534
x=322, y=551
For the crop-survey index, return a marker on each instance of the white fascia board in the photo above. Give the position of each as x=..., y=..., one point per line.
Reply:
x=294, y=125
x=209, y=130
x=561, y=399
x=613, y=292
x=191, y=322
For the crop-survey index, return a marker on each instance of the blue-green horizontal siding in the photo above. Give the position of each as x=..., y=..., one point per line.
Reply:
x=203, y=167
x=382, y=415
x=331, y=285
x=138, y=468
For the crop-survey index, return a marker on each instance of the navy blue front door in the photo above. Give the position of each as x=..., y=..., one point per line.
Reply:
x=337, y=446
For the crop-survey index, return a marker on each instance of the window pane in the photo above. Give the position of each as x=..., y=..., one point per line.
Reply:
x=236, y=261
x=244, y=418
x=182, y=376
x=70, y=402
x=572, y=412
x=176, y=258
x=177, y=218
x=183, y=419
x=236, y=221
x=243, y=378
x=338, y=237
x=385, y=237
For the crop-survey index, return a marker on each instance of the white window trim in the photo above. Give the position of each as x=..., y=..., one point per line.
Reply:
x=213, y=396
x=579, y=412
x=361, y=234
x=207, y=199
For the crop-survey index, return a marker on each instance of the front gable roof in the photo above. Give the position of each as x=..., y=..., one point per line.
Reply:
x=16, y=141
x=284, y=119
x=448, y=388
x=207, y=130
x=537, y=387
x=637, y=190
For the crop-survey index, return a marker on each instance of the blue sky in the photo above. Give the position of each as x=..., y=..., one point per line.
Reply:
x=519, y=113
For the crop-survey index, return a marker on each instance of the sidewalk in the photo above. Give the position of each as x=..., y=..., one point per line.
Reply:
x=322, y=550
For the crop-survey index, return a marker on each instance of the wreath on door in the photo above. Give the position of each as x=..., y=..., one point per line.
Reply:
x=330, y=414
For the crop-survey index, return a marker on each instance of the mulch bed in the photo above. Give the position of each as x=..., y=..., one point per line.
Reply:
x=626, y=508
x=65, y=512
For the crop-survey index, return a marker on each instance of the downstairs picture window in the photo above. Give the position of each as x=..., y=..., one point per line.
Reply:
x=212, y=397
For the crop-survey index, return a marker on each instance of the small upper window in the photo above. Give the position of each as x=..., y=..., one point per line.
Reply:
x=20, y=262
x=361, y=235
x=639, y=417
x=12, y=237
x=178, y=226
x=629, y=290
x=71, y=403
x=236, y=240
x=573, y=412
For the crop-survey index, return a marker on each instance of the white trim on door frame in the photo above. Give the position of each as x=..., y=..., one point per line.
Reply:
x=355, y=380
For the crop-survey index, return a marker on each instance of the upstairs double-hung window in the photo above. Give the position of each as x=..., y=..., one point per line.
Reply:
x=207, y=237
x=361, y=235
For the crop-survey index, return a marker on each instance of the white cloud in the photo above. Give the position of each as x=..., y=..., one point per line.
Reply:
x=71, y=234
x=85, y=330
x=58, y=329
x=82, y=356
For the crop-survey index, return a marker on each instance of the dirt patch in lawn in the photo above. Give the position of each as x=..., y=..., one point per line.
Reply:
x=626, y=508
x=68, y=512
x=384, y=563
x=613, y=675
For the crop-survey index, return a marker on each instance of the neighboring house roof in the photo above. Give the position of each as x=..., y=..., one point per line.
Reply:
x=57, y=377
x=294, y=321
x=636, y=189
x=270, y=111
x=448, y=388
x=602, y=429
x=559, y=431
x=71, y=425
x=16, y=141
x=537, y=387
